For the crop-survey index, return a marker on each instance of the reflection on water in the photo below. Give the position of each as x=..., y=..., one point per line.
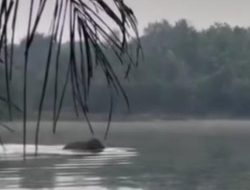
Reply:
x=177, y=155
x=56, y=168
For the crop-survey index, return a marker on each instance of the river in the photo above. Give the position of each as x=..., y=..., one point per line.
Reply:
x=142, y=155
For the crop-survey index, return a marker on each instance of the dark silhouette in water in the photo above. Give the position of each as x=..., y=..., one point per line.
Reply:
x=93, y=145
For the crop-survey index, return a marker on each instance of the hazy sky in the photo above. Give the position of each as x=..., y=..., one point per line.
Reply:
x=200, y=13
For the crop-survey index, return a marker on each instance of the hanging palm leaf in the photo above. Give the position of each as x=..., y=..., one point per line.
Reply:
x=88, y=22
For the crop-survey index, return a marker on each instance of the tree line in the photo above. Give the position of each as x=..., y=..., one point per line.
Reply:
x=183, y=71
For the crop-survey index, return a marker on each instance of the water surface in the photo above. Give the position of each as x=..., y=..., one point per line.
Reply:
x=173, y=155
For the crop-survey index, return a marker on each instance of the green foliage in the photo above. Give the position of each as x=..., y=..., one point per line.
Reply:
x=185, y=71
x=200, y=71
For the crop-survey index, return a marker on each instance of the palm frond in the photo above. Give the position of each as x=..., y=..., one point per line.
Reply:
x=84, y=20
x=8, y=128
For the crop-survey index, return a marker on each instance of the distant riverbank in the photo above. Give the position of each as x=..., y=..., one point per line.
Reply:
x=69, y=131
x=70, y=116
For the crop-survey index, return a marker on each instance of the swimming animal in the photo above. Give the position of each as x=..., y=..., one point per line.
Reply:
x=93, y=145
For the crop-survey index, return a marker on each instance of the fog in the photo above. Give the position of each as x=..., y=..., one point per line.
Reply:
x=200, y=13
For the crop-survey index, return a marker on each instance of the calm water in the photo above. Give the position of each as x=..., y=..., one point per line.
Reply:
x=173, y=155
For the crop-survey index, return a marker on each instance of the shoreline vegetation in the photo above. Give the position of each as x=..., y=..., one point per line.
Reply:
x=185, y=73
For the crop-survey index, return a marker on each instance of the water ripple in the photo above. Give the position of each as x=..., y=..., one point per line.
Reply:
x=56, y=168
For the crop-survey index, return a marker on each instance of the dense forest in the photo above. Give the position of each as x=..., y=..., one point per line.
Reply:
x=183, y=71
